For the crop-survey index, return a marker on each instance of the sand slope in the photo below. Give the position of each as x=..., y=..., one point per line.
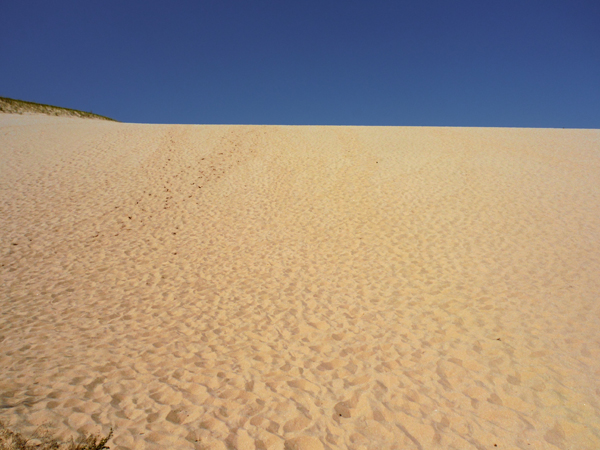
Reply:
x=270, y=287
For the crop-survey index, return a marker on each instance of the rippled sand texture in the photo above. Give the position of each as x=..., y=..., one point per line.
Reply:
x=269, y=287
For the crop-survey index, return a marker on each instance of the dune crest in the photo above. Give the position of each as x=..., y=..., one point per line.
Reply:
x=274, y=287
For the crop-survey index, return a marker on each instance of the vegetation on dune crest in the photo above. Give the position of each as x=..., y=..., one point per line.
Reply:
x=12, y=106
x=11, y=440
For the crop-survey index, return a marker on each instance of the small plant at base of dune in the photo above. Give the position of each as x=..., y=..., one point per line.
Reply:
x=11, y=440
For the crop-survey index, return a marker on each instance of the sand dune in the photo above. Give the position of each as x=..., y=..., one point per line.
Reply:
x=271, y=287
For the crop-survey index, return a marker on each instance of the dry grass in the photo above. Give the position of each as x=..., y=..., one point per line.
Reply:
x=43, y=440
x=12, y=106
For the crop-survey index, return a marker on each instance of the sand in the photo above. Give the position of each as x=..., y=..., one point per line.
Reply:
x=271, y=287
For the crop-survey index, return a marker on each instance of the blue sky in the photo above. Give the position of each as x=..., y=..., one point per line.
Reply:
x=427, y=63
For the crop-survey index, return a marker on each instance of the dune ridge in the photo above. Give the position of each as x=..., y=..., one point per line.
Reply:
x=271, y=287
x=13, y=106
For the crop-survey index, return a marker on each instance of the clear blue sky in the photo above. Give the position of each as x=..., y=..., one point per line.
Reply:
x=523, y=63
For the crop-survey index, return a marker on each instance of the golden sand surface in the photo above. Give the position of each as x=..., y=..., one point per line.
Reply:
x=271, y=287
